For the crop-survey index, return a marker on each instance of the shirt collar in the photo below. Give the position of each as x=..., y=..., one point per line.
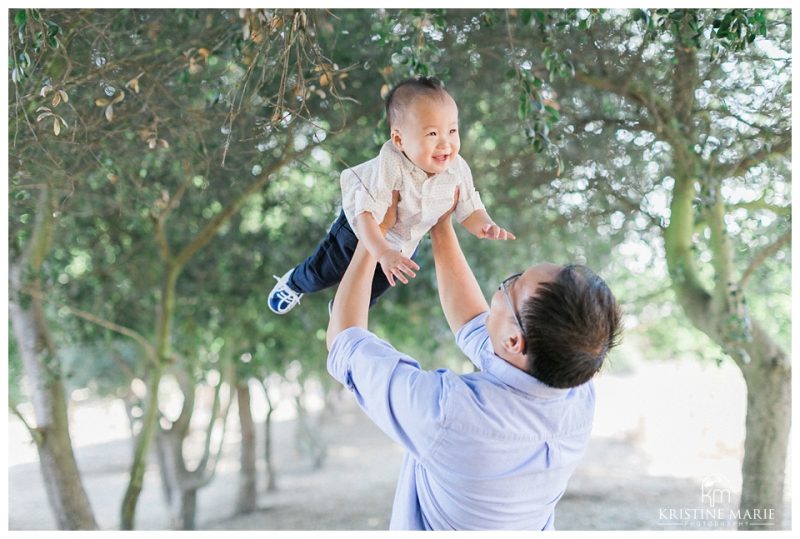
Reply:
x=520, y=380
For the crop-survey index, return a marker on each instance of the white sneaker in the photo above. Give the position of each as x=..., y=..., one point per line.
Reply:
x=282, y=298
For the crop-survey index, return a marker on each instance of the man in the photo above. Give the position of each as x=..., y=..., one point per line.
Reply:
x=491, y=449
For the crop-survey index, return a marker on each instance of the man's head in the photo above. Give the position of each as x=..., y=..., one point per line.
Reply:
x=557, y=323
x=423, y=121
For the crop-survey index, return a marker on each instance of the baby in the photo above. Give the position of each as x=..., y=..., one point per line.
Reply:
x=417, y=173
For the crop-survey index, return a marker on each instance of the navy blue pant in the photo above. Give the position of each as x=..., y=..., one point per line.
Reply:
x=327, y=264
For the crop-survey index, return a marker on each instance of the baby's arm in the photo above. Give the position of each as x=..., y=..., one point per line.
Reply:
x=481, y=225
x=392, y=261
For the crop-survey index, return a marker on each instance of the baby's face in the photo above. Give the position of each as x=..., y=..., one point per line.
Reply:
x=428, y=133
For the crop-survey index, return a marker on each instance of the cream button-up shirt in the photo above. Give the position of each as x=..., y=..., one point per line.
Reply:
x=423, y=199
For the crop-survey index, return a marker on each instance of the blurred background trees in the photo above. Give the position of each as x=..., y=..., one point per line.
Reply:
x=164, y=164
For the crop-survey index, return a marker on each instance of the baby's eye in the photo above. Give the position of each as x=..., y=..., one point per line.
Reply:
x=453, y=131
x=432, y=134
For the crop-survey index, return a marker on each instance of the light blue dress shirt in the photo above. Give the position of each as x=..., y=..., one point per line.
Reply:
x=492, y=449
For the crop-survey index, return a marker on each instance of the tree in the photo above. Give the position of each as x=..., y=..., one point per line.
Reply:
x=179, y=147
x=690, y=89
x=156, y=101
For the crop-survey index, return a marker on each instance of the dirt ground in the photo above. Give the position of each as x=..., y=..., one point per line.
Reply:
x=660, y=431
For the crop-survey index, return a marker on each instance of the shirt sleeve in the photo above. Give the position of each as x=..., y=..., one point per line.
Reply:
x=406, y=402
x=473, y=339
x=375, y=192
x=469, y=200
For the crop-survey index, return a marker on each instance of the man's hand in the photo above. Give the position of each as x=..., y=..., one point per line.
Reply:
x=491, y=231
x=390, y=218
x=395, y=265
x=446, y=215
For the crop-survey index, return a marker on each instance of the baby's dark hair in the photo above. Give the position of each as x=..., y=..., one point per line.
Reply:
x=405, y=92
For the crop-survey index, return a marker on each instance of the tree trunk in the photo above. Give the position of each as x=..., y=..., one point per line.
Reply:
x=307, y=439
x=766, y=370
x=163, y=337
x=141, y=451
x=65, y=491
x=272, y=484
x=68, y=499
x=768, y=422
x=180, y=493
x=181, y=484
x=246, y=502
x=188, y=510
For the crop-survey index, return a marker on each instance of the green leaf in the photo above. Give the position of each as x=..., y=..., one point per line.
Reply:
x=524, y=108
x=525, y=16
x=53, y=29
x=554, y=114
x=20, y=17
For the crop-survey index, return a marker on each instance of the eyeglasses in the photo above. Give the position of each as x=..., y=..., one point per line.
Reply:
x=504, y=287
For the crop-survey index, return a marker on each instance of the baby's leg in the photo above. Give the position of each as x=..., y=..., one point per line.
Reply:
x=327, y=264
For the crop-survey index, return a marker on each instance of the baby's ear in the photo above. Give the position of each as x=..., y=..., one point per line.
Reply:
x=397, y=139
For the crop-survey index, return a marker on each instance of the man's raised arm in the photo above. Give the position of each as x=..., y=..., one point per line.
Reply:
x=351, y=303
x=461, y=297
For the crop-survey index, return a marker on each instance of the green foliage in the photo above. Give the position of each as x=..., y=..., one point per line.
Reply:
x=166, y=117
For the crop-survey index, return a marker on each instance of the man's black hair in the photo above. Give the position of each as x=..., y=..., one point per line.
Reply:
x=405, y=92
x=570, y=325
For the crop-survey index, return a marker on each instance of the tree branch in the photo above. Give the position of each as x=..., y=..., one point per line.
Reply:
x=763, y=255
x=122, y=330
x=720, y=243
x=635, y=124
x=646, y=298
x=629, y=91
x=760, y=204
x=213, y=226
x=33, y=431
x=746, y=163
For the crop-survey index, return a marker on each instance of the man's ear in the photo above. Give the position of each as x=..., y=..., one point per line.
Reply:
x=397, y=139
x=514, y=343
x=514, y=348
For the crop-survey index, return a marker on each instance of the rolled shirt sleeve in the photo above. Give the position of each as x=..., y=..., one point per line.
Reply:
x=404, y=401
x=469, y=200
x=473, y=340
x=367, y=191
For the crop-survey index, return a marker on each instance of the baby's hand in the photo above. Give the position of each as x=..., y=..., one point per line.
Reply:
x=395, y=265
x=492, y=231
